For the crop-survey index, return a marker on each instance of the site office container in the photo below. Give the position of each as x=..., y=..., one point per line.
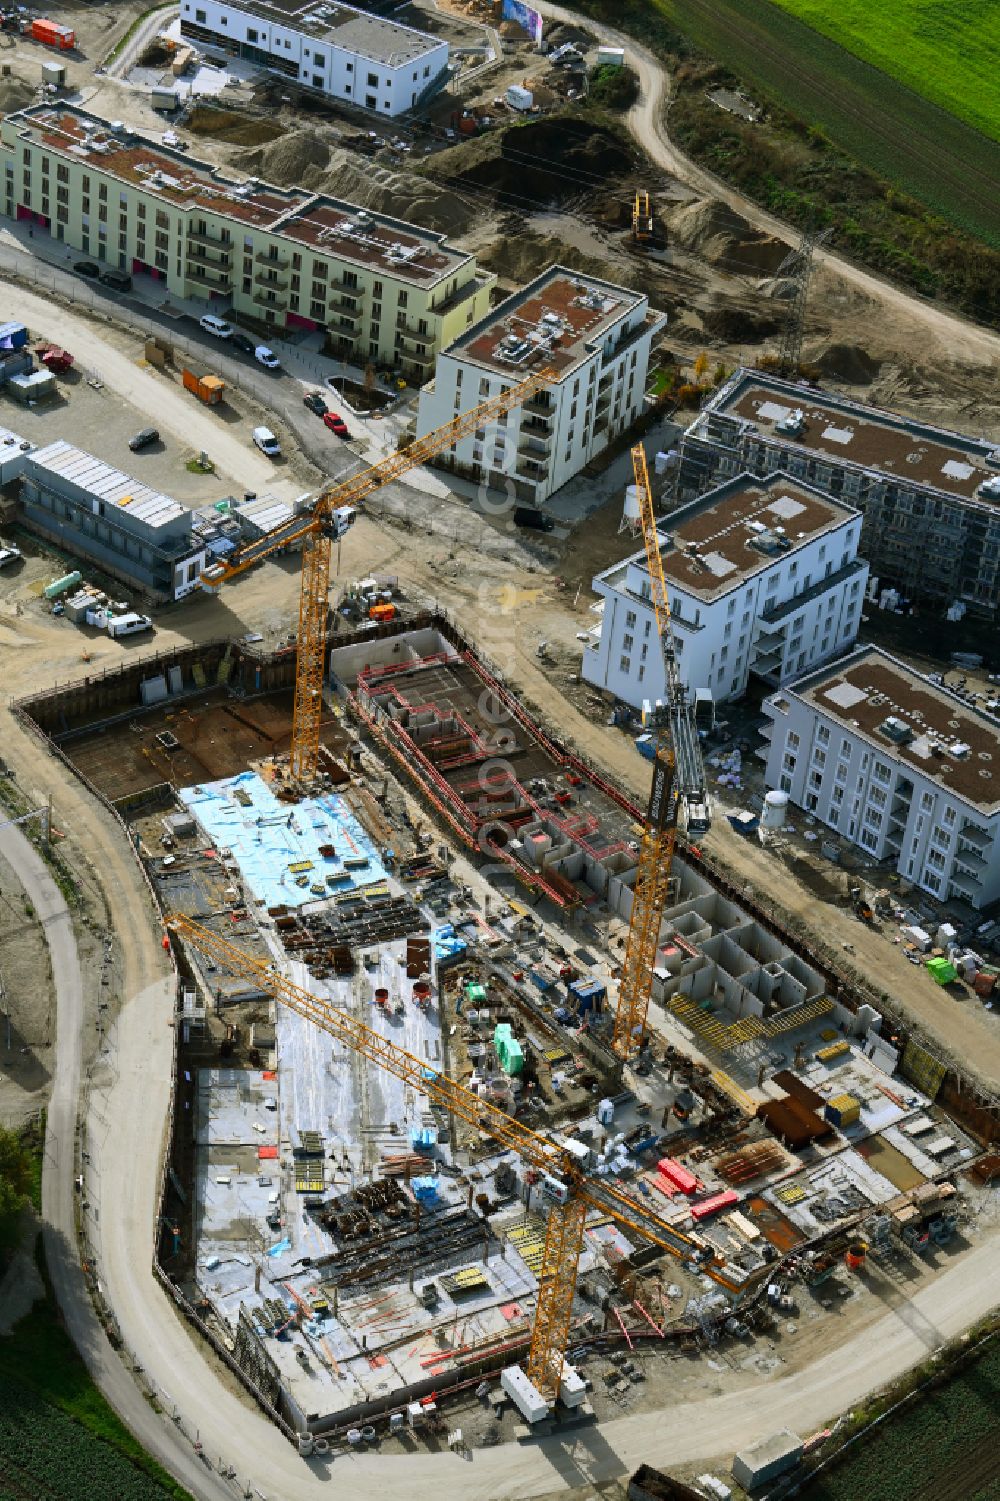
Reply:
x=53, y=35
x=207, y=388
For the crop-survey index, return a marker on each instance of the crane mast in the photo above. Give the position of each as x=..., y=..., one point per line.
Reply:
x=678, y=781
x=317, y=529
x=566, y=1186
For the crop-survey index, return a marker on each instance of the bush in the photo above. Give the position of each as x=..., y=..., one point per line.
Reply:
x=16, y=1183
x=614, y=88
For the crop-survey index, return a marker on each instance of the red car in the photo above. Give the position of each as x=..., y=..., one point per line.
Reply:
x=336, y=424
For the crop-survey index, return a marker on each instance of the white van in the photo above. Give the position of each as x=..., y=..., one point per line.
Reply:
x=216, y=326
x=266, y=442
x=128, y=625
x=266, y=357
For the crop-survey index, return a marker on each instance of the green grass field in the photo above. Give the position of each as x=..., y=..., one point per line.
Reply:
x=946, y=50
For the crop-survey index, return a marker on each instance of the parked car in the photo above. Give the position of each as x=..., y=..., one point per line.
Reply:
x=87, y=268
x=143, y=439
x=119, y=281
x=266, y=442
x=314, y=401
x=266, y=357
x=218, y=327
x=336, y=424
x=241, y=341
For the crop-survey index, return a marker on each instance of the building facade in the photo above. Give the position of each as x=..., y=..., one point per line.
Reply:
x=930, y=497
x=333, y=49
x=896, y=764
x=384, y=291
x=593, y=335
x=104, y=517
x=763, y=578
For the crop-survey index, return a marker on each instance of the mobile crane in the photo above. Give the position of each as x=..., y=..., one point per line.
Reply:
x=328, y=518
x=567, y=1187
x=678, y=780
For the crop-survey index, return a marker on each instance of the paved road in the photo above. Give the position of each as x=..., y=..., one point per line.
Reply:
x=58, y=1191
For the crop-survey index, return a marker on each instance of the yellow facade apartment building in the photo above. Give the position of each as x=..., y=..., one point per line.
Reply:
x=385, y=291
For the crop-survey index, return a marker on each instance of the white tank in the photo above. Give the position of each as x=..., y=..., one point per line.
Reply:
x=631, y=512
x=775, y=807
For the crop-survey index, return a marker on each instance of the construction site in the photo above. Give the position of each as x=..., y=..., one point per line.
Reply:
x=489, y=1102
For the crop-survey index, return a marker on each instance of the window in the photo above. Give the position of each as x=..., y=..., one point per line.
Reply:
x=788, y=762
x=882, y=773
x=873, y=818
x=833, y=817
x=625, y=664
x=792, y=740
x=845, y=749
x=373, y=80
x=878, y=797
x=819, y=758
x=811, y=801
x=936, y=859
x=869, y=840
x=926, y=802
x=785, y=783
x=949, y=817
x=627, y=643
x=630, y=619
x=932, y=882
x=823, y=735
x=837, y=796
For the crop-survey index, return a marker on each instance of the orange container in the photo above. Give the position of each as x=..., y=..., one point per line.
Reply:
x=52, y=34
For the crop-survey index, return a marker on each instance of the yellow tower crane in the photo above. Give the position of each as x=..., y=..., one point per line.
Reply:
x=567, y=1187
x=678, y=779
x=328, y=518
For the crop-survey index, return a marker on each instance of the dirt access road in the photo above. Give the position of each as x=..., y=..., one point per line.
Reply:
x=913, y=324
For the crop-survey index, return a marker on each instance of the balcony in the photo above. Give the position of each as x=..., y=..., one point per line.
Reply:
x=535, y=443
x=279, y=261
x=276, y=304
x=970, y=861
x=276, y=283
x=203, y=274
x=534, y=470
x=344, y=307
x=410, y=338
x=212, y=239
x=966, y=885
x=978, y=838
x=540, y=406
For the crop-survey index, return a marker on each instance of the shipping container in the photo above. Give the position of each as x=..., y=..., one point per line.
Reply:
x=712, y=1205
x=51, y=34
x=677, y=1174
x=207, y=388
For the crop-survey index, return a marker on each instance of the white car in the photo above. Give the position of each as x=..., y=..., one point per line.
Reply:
x=266, y=442
x=216, y=326
x=266, y=357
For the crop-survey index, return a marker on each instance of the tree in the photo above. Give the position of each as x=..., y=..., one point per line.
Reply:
x=15, y=1182
x=614, y=87
x=701, y=366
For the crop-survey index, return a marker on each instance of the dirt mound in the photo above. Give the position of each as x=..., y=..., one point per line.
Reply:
x=15, y=93
x=847, y=362
x=738, y=324
x=548, y=161
x=521, y=256
x=285, y=161
x=725, y=239
x=301, y=160
x=694, y=224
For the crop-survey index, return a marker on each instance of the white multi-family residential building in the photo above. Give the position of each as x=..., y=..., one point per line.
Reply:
x=930, y=497
x=763, y=577
x=897, y=764
x=369, y=61
x=383, y=290
x=593, y=335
